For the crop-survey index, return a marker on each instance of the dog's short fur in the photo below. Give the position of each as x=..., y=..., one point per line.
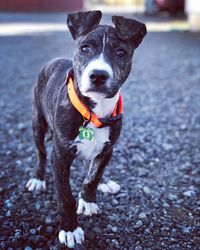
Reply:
x=101, y=64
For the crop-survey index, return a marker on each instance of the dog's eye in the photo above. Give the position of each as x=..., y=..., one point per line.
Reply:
x=121, y=52
x=85, y=49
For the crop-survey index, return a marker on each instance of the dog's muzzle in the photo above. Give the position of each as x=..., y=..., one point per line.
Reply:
x=98, y=77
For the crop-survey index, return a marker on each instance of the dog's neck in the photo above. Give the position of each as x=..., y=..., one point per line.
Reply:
x=103, y=107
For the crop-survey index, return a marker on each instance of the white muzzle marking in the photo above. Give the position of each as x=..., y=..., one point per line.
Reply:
x=96, y=64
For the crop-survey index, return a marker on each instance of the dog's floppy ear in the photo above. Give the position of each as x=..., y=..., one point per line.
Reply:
x=81, y=22
x=129, y=29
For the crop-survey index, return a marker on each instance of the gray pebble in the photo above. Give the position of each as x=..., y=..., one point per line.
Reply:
x=186, y=230
x=189, y=193
x=167, y=146
x=114, y=229
x=21, y=126
x=33, y=231
x=138, y=248
x=142, y=216
x=142, y=172
x=8, y=213
x=146, y=190
x=28, y=248
x=49, y=221
x=138, y=224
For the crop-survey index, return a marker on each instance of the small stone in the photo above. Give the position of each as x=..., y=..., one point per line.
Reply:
x=113, y=217
x=183, y=126
x=24, y=212
x=18, y=163
x=49, y=221
x=3, y=245
x=33, y=231
x=186, y=230
x=122, y=195
x=37, y=206
x=115, y=202
x=8, y=213
x=146, y=190
x=172, y=196
x=138, y=224
x=11, y=185
x=189, y=193
x=17, y=233
x=143, y=172
x=114, y=229
x=47, y=204
x=167, y=146
x=142, y=216
x=21, y=126
x=165, y=205
x=8, y=204
x=138, y=248
x=28, y=248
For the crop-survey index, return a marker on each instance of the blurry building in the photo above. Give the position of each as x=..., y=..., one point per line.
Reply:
x=192, y=9
x=40, y=5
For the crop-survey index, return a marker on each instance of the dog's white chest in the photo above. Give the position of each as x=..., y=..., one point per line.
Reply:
x=88, y=150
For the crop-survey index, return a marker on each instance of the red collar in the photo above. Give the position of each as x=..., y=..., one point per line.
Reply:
x=88, y=115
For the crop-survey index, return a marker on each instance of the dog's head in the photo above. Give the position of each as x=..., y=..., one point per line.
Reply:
x=103, y=54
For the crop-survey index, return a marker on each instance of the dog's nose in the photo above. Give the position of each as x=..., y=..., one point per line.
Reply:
x=99, y=76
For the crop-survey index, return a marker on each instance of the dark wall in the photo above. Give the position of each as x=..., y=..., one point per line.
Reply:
x=40, y=5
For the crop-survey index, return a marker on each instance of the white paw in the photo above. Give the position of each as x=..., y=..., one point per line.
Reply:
x=109, y=187
x=35, y=184
x=71, y=238
x=87, y=208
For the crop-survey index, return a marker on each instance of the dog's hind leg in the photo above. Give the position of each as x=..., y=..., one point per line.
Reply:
x=39, y=130
x=87, y=200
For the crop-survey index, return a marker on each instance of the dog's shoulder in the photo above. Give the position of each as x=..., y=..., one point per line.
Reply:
x=57, y=66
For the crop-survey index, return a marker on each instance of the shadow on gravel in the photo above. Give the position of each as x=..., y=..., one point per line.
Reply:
x=156, y=160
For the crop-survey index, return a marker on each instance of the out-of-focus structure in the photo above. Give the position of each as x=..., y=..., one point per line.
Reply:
x=150, y=7
x=116, y=5
x=192, y=9
x=40, y=5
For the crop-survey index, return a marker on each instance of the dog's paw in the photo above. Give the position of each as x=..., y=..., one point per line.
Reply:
x=87, y=208
x=71, y=238
x=109, y=187
x=35, y=184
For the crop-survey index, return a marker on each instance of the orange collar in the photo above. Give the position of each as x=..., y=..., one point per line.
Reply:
x=87, y=113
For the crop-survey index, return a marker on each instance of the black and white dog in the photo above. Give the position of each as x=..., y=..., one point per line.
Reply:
x=101, y=64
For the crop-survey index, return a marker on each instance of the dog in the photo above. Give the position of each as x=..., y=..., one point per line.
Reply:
x=80, y=102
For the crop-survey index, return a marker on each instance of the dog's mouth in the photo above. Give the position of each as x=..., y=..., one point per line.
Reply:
x=100, y=91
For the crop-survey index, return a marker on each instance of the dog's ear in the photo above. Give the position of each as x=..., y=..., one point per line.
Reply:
x=81, y=22
x=129, y=29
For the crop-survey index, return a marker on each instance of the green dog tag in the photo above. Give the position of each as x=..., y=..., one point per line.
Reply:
x=86, y=133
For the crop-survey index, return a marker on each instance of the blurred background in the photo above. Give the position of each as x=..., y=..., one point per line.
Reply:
x=187, y=12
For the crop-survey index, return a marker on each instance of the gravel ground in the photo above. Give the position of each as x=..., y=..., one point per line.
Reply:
x=156, y=160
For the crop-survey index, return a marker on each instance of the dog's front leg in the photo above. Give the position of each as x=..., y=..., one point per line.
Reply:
x=87, y=200
x=70, y=232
